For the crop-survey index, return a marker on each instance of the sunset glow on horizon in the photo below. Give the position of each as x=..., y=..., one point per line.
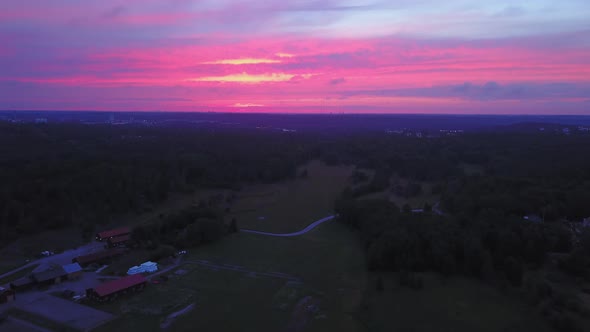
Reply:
x=501, y=57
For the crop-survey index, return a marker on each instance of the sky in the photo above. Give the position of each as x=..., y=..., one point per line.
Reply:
x=405, y=56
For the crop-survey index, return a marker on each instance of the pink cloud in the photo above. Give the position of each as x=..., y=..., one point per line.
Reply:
x=114, y=56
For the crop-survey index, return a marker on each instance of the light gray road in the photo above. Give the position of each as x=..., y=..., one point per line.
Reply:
x=301, y=232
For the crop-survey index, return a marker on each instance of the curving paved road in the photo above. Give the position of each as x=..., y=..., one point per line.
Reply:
x=301, y=232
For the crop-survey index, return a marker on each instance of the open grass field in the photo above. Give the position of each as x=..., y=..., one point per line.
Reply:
x=328, y=262
x=291, y=205
x=456, y=304
x=224, y=301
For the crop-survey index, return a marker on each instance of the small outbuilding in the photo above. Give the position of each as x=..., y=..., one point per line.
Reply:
x=105, y=235
x=23, y=283
x=54, y=275
x=73, y=271
x=118, y=241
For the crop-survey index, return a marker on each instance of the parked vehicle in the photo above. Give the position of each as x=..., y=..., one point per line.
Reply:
x=47, y=253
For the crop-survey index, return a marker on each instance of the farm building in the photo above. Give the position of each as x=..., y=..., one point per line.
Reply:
x=23, y=283
x=147, y=267
x=105, y=235
x=112, y=289
x=118, y=241
x=6, y=295
x=53, y=275
x=99, y=257
x=73, y=270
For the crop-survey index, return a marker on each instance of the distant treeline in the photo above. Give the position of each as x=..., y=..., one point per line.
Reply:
x=56, y=176
x=63, y=175
x=514, y=174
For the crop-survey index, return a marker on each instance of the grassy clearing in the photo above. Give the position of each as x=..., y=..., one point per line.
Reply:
x=19, y=274
x=291, y=205
x=456, y=304
x=328, y=260
x=224, y=301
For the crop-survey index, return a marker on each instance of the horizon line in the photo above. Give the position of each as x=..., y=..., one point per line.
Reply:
x=302, y=113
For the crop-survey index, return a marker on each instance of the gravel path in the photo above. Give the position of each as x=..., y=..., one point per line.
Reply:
x=301, y=232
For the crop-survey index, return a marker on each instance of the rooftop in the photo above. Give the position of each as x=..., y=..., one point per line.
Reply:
x=99, y=255
x=71, y=268
x=114, y=232
x=119, y=239
x=119, y=284
x=22, y=282
x=53, y=273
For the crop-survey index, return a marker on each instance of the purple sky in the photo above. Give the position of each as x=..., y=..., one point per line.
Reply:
x=424, y=56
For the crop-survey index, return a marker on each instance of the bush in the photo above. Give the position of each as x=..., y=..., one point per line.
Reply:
x=233, y=226
x=563, y=322
x=575, y=263
x=411, y=280
x=406, y=208
x=538, y=289
x=379, y=284
x=358, y=177
x=514, y=271
x=162, y=251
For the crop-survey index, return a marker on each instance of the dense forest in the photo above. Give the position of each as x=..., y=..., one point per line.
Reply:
x=55, y=176
x=58, y=176
x=187, y=228
x=62, y=175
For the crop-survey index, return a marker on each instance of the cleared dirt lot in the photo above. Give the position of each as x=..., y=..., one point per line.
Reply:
x=63, y=311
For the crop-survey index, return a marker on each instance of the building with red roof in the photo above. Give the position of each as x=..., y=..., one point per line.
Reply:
x=118, y=241
x=112, y=289
x=98, y=257
x=105, y=235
